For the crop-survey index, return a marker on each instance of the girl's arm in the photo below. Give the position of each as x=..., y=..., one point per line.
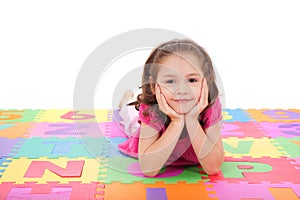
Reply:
x=154, y=150
x=207, y=145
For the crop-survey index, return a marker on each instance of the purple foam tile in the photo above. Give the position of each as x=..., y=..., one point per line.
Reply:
x=156, y=194
x=7, y=145
x=116, y=117
x=63, y=130
x=281, y=129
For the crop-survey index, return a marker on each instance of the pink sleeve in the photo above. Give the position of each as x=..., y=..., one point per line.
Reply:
x=212, y=115
x=150, y=120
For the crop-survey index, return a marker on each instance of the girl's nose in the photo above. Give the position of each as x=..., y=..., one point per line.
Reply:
x=182, y=88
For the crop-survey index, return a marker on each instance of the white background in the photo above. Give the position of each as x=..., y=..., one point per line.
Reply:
x=43, y=44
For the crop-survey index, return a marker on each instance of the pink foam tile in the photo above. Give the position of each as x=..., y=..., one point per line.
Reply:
x=63, y=130
x=241, y=129
x=246, y=190
x=295, y=162
x=25, y=193
x=51, y=190
x=113, y=129
x=273, y=170
x=281, y=129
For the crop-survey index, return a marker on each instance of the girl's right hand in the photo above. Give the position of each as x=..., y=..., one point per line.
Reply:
x=164, y=106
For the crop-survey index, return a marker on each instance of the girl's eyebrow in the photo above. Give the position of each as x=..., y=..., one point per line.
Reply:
x=195, y=74
x=175, y=75
x=169, y=75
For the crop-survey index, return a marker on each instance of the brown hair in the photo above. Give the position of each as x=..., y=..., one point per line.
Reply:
x=177, y=46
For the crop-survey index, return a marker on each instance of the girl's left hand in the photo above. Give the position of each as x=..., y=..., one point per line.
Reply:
x=164, y=106
x=202, y=103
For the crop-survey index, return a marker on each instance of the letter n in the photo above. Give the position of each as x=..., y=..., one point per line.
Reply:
x=37, y=169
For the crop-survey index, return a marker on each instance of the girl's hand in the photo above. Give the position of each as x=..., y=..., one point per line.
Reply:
x=164, y=106
x=202, y=103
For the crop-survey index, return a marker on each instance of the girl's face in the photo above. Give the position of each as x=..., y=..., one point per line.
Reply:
x=180, y=81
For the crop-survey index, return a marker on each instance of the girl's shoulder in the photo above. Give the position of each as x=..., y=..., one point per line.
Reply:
x=212, y=115
x=150, y=118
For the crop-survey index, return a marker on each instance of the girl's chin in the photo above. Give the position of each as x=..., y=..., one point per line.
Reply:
x=183, y=110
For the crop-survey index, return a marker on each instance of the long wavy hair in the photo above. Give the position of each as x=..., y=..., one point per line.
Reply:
x=179, y=47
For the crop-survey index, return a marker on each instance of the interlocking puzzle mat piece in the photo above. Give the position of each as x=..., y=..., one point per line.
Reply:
x=115, y=116
x=53, y=190
x=14, y=130
x=156, y=193
x=263, y=190
x=278, y=115
x=235, y=115
x=61, y=147
x=113, y=129
x=4, y=162
x=284, y=193
x=56, y=193
x=43, y=170
x=281, y=129
x=141, y=191
x=242, y=130
x=243, y=136
x=69, y=116
x=110, y=148
x=127, y=170
x=254, y=170
x=14, y=116
x=7, y=146
x=254, y=147
x=290, y=145
x=63, y=130
x=295, y=162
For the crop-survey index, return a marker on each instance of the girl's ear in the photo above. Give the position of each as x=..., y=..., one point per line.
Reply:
x=152, y=85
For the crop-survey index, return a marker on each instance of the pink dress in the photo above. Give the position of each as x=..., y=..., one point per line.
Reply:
x=183, y=153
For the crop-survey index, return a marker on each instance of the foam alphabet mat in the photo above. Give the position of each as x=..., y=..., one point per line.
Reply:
x=66, y=154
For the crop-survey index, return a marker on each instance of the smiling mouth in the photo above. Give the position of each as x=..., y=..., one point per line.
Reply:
x=182, y=100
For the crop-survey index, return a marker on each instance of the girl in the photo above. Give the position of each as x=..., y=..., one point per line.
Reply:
x=179, y=111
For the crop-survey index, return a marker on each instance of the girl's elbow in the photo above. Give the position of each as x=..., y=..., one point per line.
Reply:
x=147, y=170
x=150, y=173
x=212, y=171
x=213, y=168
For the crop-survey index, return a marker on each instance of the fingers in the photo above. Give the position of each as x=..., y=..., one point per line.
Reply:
x=203, y=102
x=160, y=99
x=159, y=96
x=162, y=102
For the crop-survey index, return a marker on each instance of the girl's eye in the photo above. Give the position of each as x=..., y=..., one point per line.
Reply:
x=193, y=80
x=170, y=81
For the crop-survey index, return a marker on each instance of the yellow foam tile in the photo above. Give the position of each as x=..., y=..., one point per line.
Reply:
x=254, y=147
x=17, y=168
x=70, y=116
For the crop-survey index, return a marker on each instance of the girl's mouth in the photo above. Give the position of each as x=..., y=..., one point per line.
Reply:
x=182, y=100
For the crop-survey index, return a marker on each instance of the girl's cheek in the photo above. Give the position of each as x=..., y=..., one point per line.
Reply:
x=168, y=91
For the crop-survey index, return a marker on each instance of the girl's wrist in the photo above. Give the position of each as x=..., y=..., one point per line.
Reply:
x=190, y=118
x=191, y=121
x=178, y=121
